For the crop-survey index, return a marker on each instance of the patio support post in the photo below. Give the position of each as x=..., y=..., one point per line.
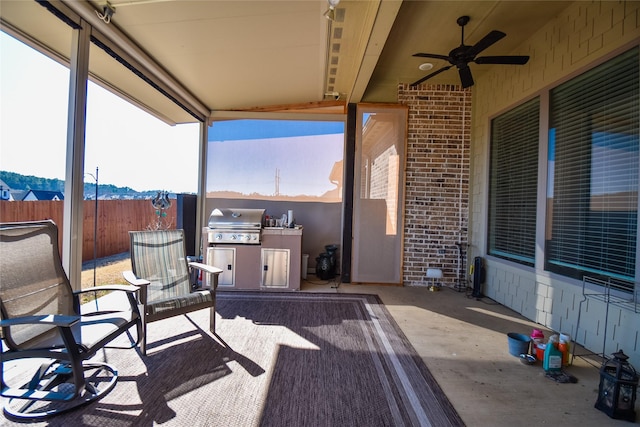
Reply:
x=74, y=173
x=201, y=202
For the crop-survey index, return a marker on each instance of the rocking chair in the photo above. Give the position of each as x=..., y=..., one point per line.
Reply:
x=41, y=318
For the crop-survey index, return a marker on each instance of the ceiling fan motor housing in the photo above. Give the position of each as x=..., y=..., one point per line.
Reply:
x=463, y=20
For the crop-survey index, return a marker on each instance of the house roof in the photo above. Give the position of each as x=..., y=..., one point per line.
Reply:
x=258, y=55
x=44, y=195
x=18, y=194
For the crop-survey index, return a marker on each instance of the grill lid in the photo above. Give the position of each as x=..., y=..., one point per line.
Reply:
x=236, y=218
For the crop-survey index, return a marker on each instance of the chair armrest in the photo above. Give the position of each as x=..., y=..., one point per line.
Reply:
x=51, y=319
x=131, y=278
x=205, y=267
x=114, y=287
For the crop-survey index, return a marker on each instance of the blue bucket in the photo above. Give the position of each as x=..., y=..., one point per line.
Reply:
x=518, y=343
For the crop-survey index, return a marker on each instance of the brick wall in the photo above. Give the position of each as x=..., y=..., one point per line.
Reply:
x=437, y=181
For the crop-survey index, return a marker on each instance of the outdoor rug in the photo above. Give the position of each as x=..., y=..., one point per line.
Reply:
x=279, y=359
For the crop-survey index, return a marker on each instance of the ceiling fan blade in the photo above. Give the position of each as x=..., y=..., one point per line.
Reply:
x=431, y=55
x=416, y=83
x=515, y=60
x=485, y=42
x=465, y=77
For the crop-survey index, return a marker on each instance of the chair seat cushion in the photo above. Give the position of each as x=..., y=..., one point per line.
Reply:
x=177, y=303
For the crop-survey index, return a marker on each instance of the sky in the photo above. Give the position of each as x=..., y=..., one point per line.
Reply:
x=302, y=163
x=293, y=157
x=130, y=147
x=261, y=129
x=133, y=149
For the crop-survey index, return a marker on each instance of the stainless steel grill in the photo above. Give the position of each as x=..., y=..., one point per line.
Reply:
x=237, y=226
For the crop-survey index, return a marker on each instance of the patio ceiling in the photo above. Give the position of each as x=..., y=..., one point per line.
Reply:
x=260, y=54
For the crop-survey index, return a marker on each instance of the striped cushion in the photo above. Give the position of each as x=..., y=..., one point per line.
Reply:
x=172, y=304
x=159, y=256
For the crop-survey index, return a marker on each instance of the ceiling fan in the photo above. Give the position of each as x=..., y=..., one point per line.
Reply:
x=462, y=55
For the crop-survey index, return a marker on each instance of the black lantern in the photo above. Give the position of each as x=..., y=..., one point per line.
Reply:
x=617, y=390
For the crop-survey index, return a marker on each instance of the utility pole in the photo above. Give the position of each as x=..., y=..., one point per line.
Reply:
x=95, y=229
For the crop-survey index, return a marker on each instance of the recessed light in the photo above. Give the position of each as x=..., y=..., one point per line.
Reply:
x=426, y=66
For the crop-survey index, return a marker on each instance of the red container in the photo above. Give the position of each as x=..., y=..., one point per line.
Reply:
x=564, y=349
x=540, y=351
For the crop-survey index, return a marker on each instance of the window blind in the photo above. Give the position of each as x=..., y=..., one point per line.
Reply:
x=593, y=172
x=513, y=183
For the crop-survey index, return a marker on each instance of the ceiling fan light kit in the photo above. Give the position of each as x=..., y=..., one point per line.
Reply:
x=463, y=55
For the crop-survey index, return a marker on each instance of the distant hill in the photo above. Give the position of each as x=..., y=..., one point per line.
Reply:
x=16, y=181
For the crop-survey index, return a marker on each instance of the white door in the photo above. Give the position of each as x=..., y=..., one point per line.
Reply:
x=224, y=259
x=275, y=268
x=379, y=194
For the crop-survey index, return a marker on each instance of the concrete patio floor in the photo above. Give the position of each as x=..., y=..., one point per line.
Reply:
x=463, y=341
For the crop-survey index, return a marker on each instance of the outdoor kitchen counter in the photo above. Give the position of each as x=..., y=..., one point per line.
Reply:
x=291, y=240
x=281, y=231
x=273, y=265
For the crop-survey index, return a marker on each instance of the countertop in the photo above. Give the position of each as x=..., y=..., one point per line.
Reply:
x=297, y=231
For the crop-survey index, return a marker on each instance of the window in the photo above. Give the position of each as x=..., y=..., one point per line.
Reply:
x=513, y=183
x=593, y=172
x=276, y=160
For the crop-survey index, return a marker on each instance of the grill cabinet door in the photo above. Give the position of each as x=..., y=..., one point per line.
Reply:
x=225, y=259
x=275, y=268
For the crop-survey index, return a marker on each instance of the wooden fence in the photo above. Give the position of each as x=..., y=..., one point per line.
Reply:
x=115, y=219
